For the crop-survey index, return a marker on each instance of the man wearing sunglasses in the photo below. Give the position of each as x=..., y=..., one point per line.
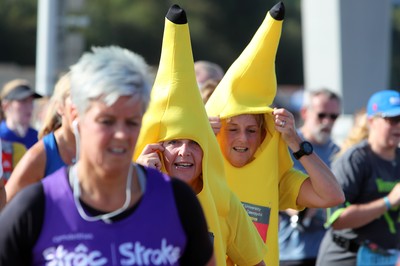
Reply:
x=301, y=232
x=365, y=230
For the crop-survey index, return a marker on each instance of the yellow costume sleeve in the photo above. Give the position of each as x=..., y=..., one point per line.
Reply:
x=176, y=111
x=249, y=87
x=290, y=184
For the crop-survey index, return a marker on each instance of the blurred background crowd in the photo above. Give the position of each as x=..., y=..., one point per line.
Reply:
x=344, y=50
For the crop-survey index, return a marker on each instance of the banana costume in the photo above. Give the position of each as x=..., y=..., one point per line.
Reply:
x=268, y=183
x=176, y=111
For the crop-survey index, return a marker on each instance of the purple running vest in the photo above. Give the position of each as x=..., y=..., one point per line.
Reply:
x=151, y=235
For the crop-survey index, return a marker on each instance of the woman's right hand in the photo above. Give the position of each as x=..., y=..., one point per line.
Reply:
x=150, y=156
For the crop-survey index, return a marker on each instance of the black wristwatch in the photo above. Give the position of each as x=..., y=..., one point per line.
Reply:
x=305, y=149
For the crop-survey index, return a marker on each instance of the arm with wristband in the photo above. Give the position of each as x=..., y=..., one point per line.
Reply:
x=393, y=198
x=387, y=202
x=360, y=209
x=357, y=215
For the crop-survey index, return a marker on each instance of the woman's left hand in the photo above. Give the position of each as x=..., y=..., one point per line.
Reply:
x=321, y=190
x=285, y=124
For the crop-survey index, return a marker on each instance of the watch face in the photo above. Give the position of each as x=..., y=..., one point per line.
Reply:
x=307, y=147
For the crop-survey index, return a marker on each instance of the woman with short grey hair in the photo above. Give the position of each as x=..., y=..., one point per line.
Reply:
x=106, y=210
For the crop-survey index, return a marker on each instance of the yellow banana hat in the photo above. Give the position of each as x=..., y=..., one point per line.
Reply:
x=176, y=111
x=249, y=87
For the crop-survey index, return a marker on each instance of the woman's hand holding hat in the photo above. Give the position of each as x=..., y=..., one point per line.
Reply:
x=150, y=156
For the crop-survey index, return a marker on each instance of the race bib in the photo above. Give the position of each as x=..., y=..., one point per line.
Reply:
x=260, y=217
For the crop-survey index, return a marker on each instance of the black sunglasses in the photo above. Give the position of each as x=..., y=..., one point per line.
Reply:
x=324, y=115
x=393, y=121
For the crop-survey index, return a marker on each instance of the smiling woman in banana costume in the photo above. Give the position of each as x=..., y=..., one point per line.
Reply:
x=176, y=138
x=254, y=139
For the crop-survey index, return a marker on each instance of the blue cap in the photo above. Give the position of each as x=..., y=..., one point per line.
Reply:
x=385, y=103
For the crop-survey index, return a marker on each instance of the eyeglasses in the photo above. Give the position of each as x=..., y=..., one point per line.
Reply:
x=333, y=117
x=393, y=121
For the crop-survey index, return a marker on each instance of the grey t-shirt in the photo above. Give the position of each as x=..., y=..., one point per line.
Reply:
x=364, y=177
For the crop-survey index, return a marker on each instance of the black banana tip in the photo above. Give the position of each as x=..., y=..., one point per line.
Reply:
x=176, y=15
x=278, y=11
